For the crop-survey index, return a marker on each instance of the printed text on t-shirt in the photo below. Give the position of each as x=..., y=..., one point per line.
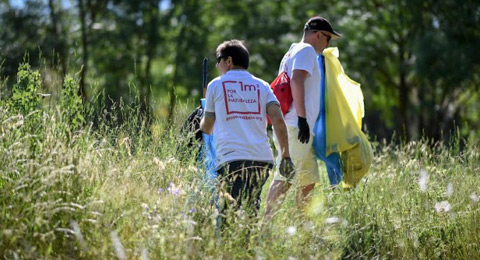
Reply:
x=241, y=98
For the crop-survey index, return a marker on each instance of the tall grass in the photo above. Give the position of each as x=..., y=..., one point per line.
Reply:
x=75, y=190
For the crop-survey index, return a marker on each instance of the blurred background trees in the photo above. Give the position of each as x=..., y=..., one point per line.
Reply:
x=418, y=60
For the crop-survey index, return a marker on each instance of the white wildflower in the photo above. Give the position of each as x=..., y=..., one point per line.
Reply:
x=291, y=230
x=449, y=189
x=443, y=206
x=291, y=258
x=332, y=220
x=475, y=198
x=423, y=181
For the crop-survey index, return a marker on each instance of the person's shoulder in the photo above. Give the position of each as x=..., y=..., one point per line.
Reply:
x=215, y=81
x=257, y=79
x=303, y=47
x=261, y=81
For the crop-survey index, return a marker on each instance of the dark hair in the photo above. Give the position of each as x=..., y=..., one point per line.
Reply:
x=236, y=50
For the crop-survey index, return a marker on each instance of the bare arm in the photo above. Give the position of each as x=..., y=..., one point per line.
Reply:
x=280, y=128
x=297, y=83
x=207, y=122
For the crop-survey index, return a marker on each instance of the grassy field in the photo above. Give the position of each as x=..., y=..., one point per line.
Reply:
x=74, y=190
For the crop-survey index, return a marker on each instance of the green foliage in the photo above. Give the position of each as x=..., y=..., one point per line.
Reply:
x=410, y=85
x=25, y=96
x=23, y=32
x=90, y=193
x=71, y=105
x=25, y=103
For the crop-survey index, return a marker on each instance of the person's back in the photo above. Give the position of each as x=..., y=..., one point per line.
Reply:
x=303, y=68
x=236, y=109
x=240, y=109
x=302, y=56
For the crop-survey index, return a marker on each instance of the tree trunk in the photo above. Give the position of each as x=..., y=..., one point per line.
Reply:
x=172, y=94
x=58, y=34
x=450, y=105
x=403, y=95
x=433, y=117
x=81, y=90
x=150, y=53
x=423, y=111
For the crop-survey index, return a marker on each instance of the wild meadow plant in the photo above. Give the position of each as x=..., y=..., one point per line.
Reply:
x=77, y=185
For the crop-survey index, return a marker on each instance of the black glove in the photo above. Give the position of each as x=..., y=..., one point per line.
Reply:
x=303, y=130
x=287, y=168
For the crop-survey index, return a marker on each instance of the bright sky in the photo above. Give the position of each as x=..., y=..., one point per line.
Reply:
x=21, y=3
x=68, y=3
x=17, y=3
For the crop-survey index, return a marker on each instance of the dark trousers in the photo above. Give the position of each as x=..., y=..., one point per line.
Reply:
x=243, y=181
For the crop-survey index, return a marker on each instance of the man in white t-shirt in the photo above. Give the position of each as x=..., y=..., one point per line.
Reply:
x=237, y=104
x=300, y=63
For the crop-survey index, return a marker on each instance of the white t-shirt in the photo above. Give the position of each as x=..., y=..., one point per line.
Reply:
x=239, y=101
x=302, y=56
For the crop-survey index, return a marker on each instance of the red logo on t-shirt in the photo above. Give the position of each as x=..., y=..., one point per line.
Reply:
x=241, y=98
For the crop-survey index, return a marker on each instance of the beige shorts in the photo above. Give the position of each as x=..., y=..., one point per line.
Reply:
x=303, y=156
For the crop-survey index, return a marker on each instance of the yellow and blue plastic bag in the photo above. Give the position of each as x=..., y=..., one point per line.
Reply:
x=332, y=161
x=344, y=110
x=208, y=155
